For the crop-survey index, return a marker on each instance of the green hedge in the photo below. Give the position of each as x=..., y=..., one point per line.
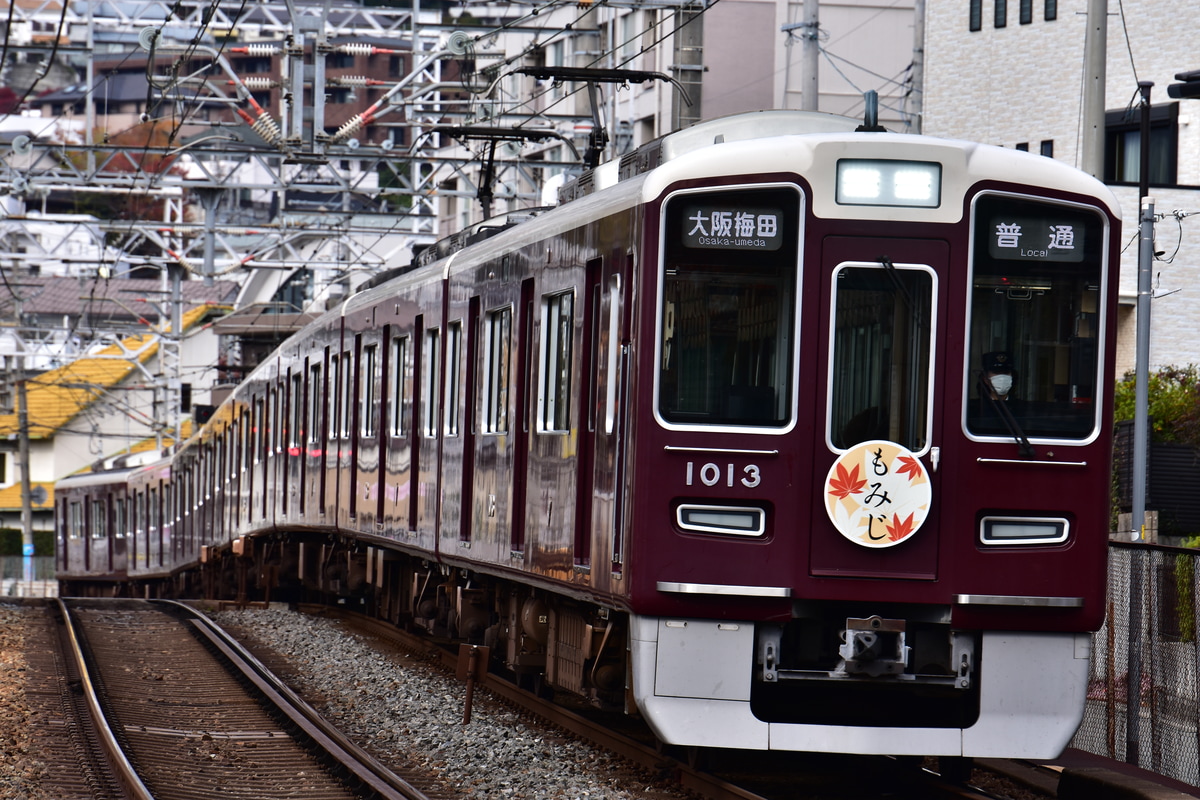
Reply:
x=10, y=542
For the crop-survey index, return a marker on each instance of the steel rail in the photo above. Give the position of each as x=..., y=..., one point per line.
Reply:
x=345, y=752
x=124, y=771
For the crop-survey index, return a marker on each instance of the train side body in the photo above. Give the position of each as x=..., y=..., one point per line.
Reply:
x=722, y=438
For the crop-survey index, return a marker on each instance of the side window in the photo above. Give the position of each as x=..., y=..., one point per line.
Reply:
x=260, y=429
x=453, y=376
x=120, y=518
x=400, y=383
x=347, y=390
x=432, y=371
x=296, y=414
x=879, y=373
x=276, y=429
x=498, y=343
x=315, y=406
x=368, y=390
x=99, y=519
x=1034, y=347
x=554, y=395
x=335, y=393
x=75, y=523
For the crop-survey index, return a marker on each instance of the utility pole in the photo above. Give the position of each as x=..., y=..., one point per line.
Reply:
x=1141, y=437
x=1095, y=78
x=811, y=59
x=916, y=98
x=26, y=478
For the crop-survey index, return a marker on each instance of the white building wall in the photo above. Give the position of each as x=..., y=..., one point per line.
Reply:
x=748, y=65
x=1023, y=84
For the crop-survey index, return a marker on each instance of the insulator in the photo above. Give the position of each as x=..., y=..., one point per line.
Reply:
x=265, y=127
x=352, y=80
x=350, y=128
x=259, y=83
x=259, y=50
x=356, y=49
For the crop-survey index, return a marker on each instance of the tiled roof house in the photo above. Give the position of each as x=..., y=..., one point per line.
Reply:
x=94, y=408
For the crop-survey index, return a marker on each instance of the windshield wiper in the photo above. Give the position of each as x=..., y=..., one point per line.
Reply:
x=1010, y=422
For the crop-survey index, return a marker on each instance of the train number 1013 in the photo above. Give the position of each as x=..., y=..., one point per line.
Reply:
x=711, y=474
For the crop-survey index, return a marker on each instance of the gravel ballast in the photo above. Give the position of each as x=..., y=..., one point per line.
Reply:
x=410, y=715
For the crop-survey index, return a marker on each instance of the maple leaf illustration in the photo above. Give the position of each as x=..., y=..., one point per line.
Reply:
x=899, y=528
x=846, y=483
x=910, y=465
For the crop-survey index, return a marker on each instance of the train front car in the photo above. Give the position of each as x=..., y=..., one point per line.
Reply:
x=871, y=464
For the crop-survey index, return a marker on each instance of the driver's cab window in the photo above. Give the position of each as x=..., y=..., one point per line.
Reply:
x=1034, y=343
x=879, y=381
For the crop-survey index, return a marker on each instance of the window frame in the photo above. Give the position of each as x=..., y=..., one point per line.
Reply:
x=791, y=363
x=496, y=383
x=369, y=396
x=400, y=383
x=1164, y=118
x=970, y=364
x=930, y=356
x=556, y=353
x=431, y=357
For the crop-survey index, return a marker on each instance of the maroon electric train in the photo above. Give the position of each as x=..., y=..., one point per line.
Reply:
x=790, y=436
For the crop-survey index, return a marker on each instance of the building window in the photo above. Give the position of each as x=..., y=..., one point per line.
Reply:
x=1122, y=145
x=976, y=15
x=1023, y=147
x=1047, y=148
x=1001, y=13
x=1026, y=14
x=1051, y=12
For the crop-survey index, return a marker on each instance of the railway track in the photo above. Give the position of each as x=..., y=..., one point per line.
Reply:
x=756, y=776
x=186, y=713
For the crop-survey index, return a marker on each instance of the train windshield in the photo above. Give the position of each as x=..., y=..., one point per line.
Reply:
x=1035, y=325
x=880, y=370
x=727, y=318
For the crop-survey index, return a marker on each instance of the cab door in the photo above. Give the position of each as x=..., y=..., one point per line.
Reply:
x=875, y=501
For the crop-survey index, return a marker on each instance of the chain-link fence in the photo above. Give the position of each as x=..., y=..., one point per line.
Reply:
x=1150, y=632
x=27, y=577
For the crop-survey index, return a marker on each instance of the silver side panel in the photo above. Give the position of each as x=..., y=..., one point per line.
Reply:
x=692, y=681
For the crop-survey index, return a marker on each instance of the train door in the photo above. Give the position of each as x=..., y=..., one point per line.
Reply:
x=599, y=512
x=520, y=454
x=120, y=530
x=427, y=441
x=877, y=449
x=589, y=303
x=397, y=476
x=470, y=423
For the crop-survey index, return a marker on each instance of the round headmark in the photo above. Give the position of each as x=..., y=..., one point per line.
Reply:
x=877, y=494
